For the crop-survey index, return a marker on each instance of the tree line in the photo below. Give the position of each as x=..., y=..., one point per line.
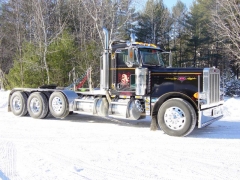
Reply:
x=42, y=41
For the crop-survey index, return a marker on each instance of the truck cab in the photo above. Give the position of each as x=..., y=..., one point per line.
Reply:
x=124, y=62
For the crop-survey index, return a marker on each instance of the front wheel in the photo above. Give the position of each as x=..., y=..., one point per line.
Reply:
x=176, y=117
x=58, y=105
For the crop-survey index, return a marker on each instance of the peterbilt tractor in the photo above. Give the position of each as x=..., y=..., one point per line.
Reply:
x=134, y=83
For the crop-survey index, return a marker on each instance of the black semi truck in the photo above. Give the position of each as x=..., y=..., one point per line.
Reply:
x=134, y=82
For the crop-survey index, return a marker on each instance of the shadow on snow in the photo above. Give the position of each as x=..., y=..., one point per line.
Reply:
x=222, y=129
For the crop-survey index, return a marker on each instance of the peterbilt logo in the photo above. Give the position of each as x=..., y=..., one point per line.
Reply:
x=181, y=78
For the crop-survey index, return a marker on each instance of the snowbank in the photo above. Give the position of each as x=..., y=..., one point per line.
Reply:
x=232, y=107
x=3, y=99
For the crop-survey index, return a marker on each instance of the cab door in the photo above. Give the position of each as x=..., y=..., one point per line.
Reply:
x=123, y=73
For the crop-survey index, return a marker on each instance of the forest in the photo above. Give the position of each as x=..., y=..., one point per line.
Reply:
x=44, y=41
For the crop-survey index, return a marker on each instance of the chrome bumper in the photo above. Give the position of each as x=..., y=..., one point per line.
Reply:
x=208, y=116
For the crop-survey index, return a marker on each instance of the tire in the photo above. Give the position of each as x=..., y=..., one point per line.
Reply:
x=37, y=105
x=48, y=94
x=177, y=117
x=18, y=103
x=27, y=93
x=58, y=105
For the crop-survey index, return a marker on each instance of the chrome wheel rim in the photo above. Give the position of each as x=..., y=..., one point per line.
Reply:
x=174, y=118
x=17, y=103
x=57, y=104
x=35, y=105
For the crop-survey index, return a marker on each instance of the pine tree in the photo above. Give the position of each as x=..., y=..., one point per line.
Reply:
x=154, y=23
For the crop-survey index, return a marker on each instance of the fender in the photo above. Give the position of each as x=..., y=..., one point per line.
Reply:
x=70, y=95
x=161, y=100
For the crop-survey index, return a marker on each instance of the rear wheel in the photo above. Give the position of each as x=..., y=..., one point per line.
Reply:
x=176, y=117
x=18, y=103
x=37, y=105
x=58, y=105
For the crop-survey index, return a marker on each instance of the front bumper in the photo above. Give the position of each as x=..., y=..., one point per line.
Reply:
x=209, y=115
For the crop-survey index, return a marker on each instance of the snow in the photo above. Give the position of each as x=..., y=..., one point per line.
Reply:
x=93, y=148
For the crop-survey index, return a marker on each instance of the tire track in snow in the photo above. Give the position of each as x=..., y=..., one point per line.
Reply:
x=7, y=161
x=201, y=168
x=50, y=162
x=75, y=165
x=78, y=167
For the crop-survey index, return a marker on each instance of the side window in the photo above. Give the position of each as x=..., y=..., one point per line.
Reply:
x=122, y=58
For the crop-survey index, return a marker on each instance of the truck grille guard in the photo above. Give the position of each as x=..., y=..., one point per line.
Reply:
x=210, y=107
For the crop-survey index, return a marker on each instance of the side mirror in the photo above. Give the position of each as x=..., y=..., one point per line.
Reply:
x=130, y=58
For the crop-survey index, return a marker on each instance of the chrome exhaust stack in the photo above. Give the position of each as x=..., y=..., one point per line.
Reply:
x=105, y=63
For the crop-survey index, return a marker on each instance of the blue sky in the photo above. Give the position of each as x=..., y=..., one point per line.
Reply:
x=139, y=4
x=170, y=3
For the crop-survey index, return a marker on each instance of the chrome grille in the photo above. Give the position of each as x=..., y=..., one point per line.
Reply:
x=211, y=85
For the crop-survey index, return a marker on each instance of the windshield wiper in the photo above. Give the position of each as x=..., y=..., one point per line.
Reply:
x=153, y=64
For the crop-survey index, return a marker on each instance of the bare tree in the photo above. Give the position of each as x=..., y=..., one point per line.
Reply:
x=47, y=25
x=29, y=28
x=13, y=18
x=226, y=20
x=86, y=22
x=106, y=13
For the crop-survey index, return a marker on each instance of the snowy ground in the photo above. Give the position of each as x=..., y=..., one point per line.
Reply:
x=93, y=148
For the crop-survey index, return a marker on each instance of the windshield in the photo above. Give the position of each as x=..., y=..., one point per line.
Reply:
x=151, y=57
